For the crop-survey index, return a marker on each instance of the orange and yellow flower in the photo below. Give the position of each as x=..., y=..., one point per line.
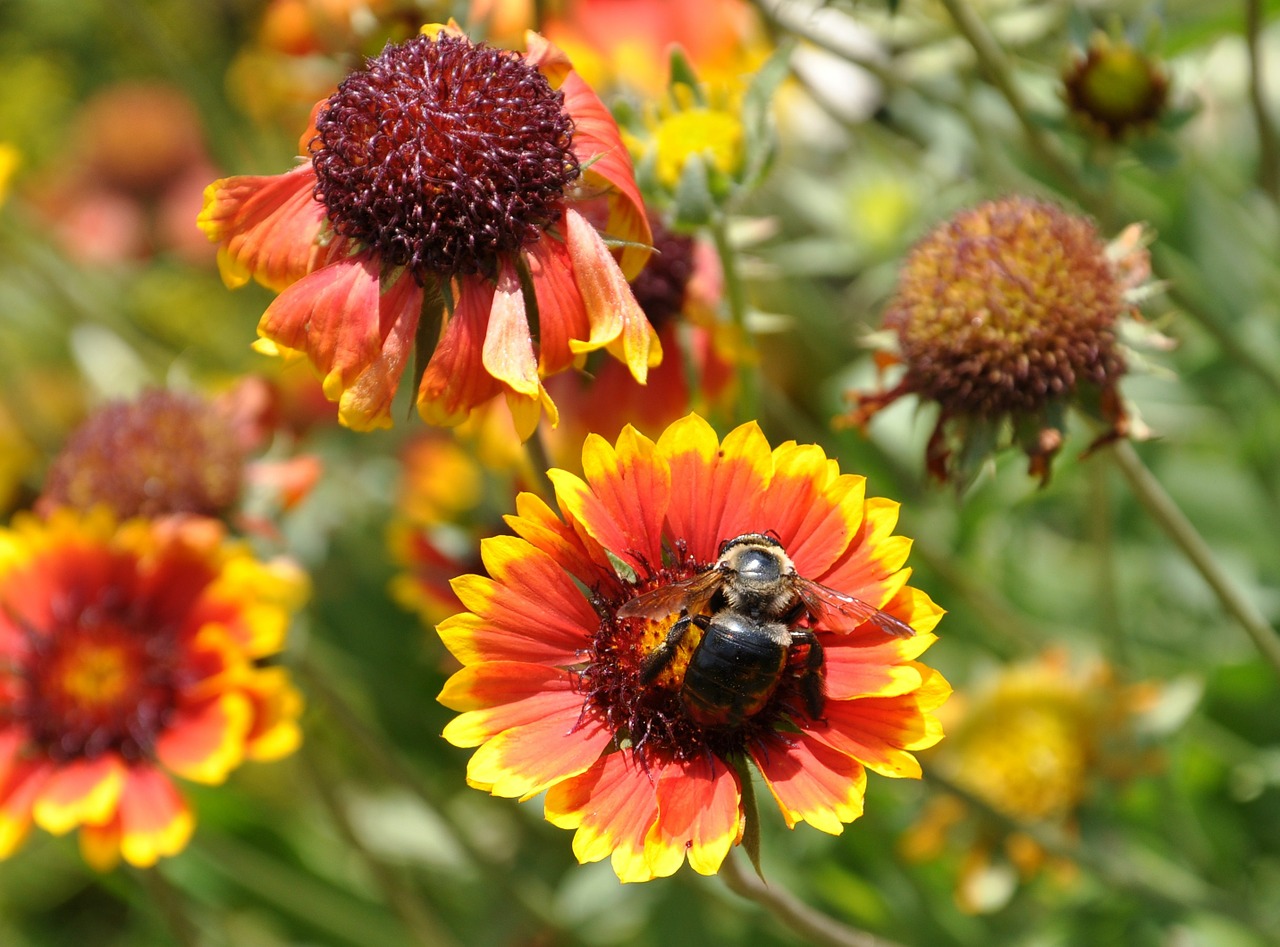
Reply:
x=129, y=654
x=449, y=200
x=552, y=694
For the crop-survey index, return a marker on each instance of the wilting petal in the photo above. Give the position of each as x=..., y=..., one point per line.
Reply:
x=508, y=346
x=721, y=485
x=357, y=336
x=154, y=818
x=79, y=791
x=456, y=381
x=266, y=227
x=617, y=321
x=546, y=57
x=811, y=782
x=562, y=316
x=624, y=498
x=205, y=742
x=596, y=140
x=613, y=806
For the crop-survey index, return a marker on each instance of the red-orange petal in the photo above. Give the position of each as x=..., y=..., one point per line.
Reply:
x=811, y=782
x=699, y=815
x=617, y=321
x=613, y=806
x=79, y=791
x=562, y=316
x=266, y=227
x=624, y=499
x=855, y=668
x=154, y=819
x=597, y=141
x=455, y=381
x=507, y=353
x=18, y=792
x=813, y=508
x=501, y=695
x=719, y=484
x=205, y=742
x=540, y=526
x=523, y=761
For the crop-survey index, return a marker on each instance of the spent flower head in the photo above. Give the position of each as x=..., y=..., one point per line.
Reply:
x=1005, y=316
x=446, y=208
x=1113, y=88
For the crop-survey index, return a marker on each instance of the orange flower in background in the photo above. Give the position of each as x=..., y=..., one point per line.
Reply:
x=619, y=715
x=455, y=170
x=1032, y=742
x=128, y=655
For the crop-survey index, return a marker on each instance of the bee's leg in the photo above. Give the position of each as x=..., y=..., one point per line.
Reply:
x=813, y=675
x=661, y=656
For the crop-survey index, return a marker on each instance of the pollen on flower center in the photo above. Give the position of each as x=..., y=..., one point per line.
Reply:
x=95, y=687
x=444, y=155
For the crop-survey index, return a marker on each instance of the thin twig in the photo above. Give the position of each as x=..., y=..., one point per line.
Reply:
x=1177, y=527
x=1268, y=144
x=793, y=913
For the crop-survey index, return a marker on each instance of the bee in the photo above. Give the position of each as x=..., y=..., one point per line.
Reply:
x=747, y=605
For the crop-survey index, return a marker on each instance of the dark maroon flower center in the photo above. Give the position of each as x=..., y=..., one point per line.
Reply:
x=660, y=287
x=444, y=156
x=653, y=717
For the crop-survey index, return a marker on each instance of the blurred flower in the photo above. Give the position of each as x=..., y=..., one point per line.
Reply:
x=1030, y=743
x=1006, y=315
x=167, y=452
x=137, y=168
x=129, y=654
x=1114, y=88
x=622, y=43
x=445, y=169
x=552, y=689
x=9, y=161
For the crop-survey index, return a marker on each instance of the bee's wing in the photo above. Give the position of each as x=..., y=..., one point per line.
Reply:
x=832, y=606
x=691, y=594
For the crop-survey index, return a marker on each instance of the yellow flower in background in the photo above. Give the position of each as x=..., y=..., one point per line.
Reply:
x=1031, y=742
x=9, y=161
x=131, y=653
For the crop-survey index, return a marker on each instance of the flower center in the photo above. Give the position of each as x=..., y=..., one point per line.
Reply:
x=94, y=685
x=443, y=156
x=713, y=135
x=660, y=287
x=647, y=707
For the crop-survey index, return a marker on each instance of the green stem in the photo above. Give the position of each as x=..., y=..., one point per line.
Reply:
x=171, y=905
x=539, y=463
x=424, y=928
x=993, y=61
x=735, y=293
x=1268, y=145
x=792, y=913
x=1177, y=527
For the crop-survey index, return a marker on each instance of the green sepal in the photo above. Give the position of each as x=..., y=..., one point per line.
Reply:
x=680, y=72
x=695, y=205
x=435, y=300
x=750, y=813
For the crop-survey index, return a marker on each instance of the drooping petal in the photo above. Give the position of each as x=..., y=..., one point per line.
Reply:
x=154, y=819
x=206, y=741
x=79, y=791
x=699, y=815
x=596, y=140
x=456, y=381
x=356, y=336
x=720, y=484
x=617, y=321
x=507, y=353
x=562, y=316
x=613, y=805
x=624, y=498
x=266, y=227
x=811, y=782
x=530, y=610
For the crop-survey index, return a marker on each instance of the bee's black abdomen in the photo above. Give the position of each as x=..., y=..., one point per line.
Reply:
x=735, y=669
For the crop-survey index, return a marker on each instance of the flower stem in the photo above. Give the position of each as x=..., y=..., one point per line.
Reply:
x=735, y=293
x=423, y=928
x=539, y=459
x=1178, y=528
x=992, y=59
x=794, y=914
x=171, y=905
x=1268, y=144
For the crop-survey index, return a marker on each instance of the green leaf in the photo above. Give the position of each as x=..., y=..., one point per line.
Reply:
x=750, y=814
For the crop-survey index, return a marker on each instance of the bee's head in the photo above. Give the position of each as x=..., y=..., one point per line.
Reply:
x=755, y=564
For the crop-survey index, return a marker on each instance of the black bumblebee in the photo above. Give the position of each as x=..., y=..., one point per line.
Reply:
x=747, y=604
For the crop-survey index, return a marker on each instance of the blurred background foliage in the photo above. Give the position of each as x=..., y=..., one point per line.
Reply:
x=885, y=122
